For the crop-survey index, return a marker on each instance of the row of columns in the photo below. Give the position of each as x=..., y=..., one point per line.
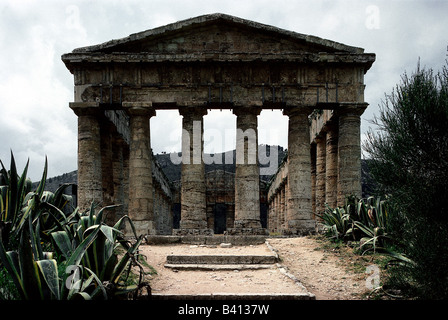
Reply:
x=193, y=186
x=103, y=163
x=337, y=168
x=337, y=160
x=278, y=209
x=298, y=206
x=316, y=175
x=139, y=179
x=291, y=205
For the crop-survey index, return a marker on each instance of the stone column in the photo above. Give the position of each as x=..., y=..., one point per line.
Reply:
x=106, y=132
x=320, y=174
x=90, y=189
x=331, y=163
x=349, y=152
x=247, y=173
x=193, y=186
x=299, y=215
x=271, y=225
x=313, y=178
x=118, y=182
x=141, y=206
x=285, y=215
x=125, y=187
x=276, y=212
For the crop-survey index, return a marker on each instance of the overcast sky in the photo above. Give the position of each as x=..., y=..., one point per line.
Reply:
x=36, y=88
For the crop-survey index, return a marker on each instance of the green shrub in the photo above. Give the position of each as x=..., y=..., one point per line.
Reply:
x=408, y=160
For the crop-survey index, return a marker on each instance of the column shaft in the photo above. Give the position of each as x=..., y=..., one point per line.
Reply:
x=331, y=163
x=118, y=182
x=320, y=174
x=90, y=188
x=106, y=132
x=193, y=186
x=349, y=155
x=141, y=208
x=247, y=178
x=276, y=212
x=299, y=208
x=313, y=178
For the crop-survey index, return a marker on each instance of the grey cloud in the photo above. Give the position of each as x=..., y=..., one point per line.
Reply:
x=407, y=30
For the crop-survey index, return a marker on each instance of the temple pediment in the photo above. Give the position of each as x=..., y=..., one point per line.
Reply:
x=219, y=60
x=219, y=34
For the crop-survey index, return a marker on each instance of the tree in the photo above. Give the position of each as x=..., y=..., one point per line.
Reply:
x=409, y=162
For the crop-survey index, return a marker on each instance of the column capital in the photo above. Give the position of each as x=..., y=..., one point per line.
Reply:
x=320, y=138
x=193, y=111
x=351, y=109
x=85, y=108
x=254, y=110
x=290, y=111
x=140, y=110
x=331, y=125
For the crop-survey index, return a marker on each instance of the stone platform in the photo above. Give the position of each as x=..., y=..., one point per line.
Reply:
x=236, y=240
x=222, y=259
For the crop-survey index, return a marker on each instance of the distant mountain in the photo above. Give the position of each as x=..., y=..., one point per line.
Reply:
x=223, y=161
x=53, y=183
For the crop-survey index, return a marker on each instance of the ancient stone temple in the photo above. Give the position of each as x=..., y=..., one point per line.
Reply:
x=219, y=62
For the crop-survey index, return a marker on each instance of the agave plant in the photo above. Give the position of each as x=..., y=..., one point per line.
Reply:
x=97, y=271
x=358, y=219
x=371, y=222
x=101, y=256
x=86, y=247
x=336, y=222
x=13, y=190
x=18, y=202
x=35, y=272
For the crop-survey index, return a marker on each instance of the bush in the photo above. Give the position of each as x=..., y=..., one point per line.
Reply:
x=409, y=162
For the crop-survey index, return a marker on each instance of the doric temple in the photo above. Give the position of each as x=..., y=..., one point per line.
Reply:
x=219, y=62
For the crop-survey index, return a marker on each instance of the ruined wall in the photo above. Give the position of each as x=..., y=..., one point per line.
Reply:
x=220, y=200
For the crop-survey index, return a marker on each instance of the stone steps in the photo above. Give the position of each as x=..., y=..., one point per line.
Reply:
x=218, y=267
x=221, y=259
x=206, y=240
x=220, y=262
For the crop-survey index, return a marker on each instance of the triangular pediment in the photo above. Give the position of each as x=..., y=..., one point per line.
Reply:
x=219, y=33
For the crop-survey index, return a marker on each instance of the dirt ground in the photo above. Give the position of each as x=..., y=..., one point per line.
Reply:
x=318, y=271
x=322, y=272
